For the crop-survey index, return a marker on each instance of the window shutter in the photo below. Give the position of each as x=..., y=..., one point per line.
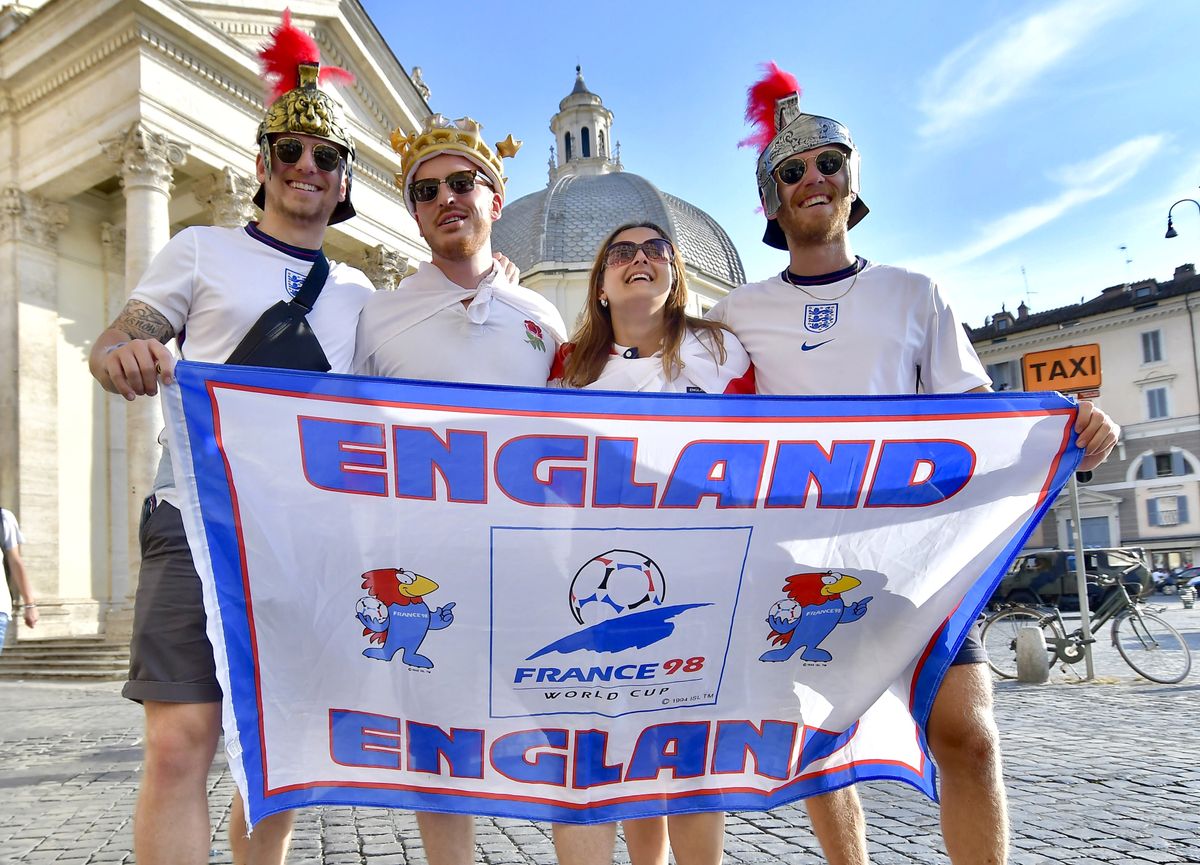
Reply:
x=1177, y=467
x=1146, y=468
x=1152, y=511
x=1181, y=504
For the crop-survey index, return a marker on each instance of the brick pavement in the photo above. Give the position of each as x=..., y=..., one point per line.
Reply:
x=1096, y=773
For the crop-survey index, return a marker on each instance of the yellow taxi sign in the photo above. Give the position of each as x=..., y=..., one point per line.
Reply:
x=1070, y=369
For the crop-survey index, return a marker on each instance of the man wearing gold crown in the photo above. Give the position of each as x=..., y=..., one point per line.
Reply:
x=214, y=284
x=834, y=323
x=459, y=318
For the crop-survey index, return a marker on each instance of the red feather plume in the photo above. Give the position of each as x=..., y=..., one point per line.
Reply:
x=288, y=48
x=760, y=104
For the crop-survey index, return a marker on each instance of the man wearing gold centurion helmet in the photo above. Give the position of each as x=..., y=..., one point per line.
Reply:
x=459, y=317
x=835, y=323
x=226, y=287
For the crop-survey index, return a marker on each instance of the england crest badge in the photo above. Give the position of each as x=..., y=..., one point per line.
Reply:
x=292, y=281
x=819, y=317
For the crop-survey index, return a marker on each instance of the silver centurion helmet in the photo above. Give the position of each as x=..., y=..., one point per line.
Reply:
x=796, y=133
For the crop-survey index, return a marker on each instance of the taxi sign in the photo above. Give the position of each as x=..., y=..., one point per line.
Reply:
x=1067, y=370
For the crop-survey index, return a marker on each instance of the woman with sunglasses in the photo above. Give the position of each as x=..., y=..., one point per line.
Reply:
x=636, y=335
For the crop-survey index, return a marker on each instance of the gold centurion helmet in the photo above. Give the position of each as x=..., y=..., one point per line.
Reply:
x=439, y=134
x=291, y=63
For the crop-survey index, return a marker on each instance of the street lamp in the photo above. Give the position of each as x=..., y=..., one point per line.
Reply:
x=1171, y=232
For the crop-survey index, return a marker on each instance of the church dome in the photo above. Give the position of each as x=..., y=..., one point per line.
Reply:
x=568, y=221
x=589, y=194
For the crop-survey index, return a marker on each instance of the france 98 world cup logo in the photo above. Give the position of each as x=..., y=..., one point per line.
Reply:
x=619, y=599
x=615, y=583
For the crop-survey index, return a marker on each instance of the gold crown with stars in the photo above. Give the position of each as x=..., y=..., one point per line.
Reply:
x=439, y=134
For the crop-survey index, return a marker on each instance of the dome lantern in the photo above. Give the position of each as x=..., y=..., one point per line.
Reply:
x=582, y=133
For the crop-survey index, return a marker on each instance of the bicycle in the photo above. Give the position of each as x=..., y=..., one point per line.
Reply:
x=1150, y=646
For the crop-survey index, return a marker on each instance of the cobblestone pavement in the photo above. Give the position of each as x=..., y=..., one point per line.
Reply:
x=1102, y=772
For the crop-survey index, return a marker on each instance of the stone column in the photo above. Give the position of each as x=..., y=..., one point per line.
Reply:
x=145, y=163
x=112, y=243
x=228, y=196
x=385, y=267
x=29, y=334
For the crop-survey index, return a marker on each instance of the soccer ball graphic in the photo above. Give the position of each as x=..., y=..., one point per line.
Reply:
x=372, y=608
x=614, y=583
x=785, y=609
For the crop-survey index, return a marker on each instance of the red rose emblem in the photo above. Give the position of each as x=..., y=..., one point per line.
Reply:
x=533, y=328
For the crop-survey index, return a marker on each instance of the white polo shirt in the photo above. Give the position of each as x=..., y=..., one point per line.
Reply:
x=430, y=328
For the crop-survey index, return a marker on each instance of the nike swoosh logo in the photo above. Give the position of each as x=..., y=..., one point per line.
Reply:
x=807, y=347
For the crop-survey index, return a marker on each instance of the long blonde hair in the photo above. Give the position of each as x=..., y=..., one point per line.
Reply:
x=593, y=338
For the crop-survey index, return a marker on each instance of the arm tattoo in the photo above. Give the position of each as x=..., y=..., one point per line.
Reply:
x=142, y=321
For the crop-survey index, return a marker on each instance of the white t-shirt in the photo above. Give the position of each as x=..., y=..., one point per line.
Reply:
x=212, y=284
x=505, y=335
x=702, y=372
x=10, y=536
x=889, y=332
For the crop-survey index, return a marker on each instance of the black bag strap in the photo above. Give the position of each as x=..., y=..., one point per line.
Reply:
x=306, y=297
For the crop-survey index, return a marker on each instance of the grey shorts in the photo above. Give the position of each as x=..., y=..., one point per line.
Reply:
x=170, y=657
x=971, y=651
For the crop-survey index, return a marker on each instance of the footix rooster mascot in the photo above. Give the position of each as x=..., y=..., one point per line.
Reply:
x=404, y=620
x=816, y=609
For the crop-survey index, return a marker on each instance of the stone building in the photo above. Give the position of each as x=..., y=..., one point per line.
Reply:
x=121, y=122
x=124, y=121
x=553, y=234
x=1148, y=492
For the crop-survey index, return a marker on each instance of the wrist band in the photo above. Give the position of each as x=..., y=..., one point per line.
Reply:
x=110, y=349
x=30, y=605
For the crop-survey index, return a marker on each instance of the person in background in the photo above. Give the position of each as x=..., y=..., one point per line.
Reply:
x=14, y=570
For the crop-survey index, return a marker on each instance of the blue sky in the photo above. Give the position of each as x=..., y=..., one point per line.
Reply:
x=995, y=136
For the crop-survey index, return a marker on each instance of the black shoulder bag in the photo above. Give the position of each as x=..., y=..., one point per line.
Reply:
x=282, y=337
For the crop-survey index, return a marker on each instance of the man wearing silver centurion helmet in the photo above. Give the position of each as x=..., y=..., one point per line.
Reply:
x=227, y=287
x=834, y=323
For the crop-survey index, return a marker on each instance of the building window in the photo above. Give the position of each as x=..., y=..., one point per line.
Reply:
x=1001, y=323
x=567, y=147
x=1005, y=375
x=585, y=142
x=1156, y=403
x=601, y=148
x=1167, y=511
x=1164, y=465
x=1151, y=346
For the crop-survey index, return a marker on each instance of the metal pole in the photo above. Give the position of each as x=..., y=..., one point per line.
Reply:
x=1085, y=612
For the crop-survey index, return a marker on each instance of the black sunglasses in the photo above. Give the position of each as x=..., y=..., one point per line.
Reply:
x=460, y=183
x=289, y=151
x=828, y=162
x=625, y=251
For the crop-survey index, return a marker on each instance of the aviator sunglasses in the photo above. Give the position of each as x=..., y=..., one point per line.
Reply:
x=289, y=150
x=828, y=162
x=625, y=251
x=460, y=183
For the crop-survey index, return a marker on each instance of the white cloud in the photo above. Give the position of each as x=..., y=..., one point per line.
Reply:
x=1082, y=182
x=999, y=65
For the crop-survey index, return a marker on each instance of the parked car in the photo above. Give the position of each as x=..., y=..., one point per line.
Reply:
x=1176, y=580
x=1048, y=577
x=1191, y=581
